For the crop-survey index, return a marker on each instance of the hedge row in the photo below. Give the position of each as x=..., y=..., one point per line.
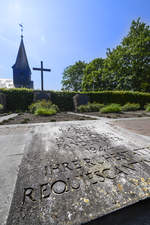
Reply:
x=64, y=100
x=18, y=98
x=21, y=98
x=120, y=97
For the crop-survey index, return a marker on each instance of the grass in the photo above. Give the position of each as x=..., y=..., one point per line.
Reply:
x=131, y=107
x=112, y=108
x=90, y=107
x=45, y=112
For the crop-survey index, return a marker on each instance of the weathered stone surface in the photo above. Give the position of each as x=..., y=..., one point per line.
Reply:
x=40, y=95
x=80, y=99
x=12, y=144
x=74, y=172
x=7, y=117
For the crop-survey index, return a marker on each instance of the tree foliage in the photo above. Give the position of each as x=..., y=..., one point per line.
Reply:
x=126, y=67
x=92, y=79
x=72, y=76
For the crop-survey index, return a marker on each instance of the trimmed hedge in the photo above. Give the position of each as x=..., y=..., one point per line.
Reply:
x=18, y=98
x=64, y=100
x=21, y=98
x=120, y=97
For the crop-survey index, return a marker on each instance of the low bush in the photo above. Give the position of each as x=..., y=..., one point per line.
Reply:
x=83, y=108
x=95, y=107
x=1, y=107
x=44, y=105
x=45, y=112
x=112, y=108
x=147, y=107
x=131, y=106
x=90, y=107
x=55, y=107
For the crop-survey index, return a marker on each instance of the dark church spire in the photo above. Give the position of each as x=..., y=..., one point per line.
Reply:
x=21, y=69
x=21, y=60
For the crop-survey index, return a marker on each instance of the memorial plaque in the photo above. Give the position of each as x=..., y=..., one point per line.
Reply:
x=40, y=95
x=73, y=173
x=80, y=99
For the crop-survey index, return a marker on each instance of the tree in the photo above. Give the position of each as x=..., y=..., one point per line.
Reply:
x=92, y=79
x=137, y=43
x=127, y=66
x=72, y=76
x=117, y=71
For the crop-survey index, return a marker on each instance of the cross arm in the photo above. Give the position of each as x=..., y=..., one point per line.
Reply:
x=36, y=68
x=48, y=70
x=39, y=69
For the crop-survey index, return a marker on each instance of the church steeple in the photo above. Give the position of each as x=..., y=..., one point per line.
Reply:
x=21, y=60
x=21, y=69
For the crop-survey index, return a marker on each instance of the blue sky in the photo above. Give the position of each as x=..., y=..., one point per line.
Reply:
x=61, y=32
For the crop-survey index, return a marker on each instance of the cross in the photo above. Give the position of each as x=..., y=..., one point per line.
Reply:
x=42, y=69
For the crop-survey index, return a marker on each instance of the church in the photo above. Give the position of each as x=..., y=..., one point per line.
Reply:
x=21, y=69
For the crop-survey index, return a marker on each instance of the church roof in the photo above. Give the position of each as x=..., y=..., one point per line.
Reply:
x=21, y=61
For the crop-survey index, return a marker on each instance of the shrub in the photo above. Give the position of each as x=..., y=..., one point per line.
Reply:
x=147, y=107
x=45, y=112
x=95, y=107
x=112, y=108
x=34, y=106
x=53, y=106
x=131, y=107
x=83, y=108
x=1, y=107
x=42, y=104
x=90, y=107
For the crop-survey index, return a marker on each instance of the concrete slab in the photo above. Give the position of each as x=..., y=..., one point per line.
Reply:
x=73, y=172
x=138, y=126
x=13, y=141
x=2, y=118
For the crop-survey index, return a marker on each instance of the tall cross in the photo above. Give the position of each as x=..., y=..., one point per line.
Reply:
x=42, y=70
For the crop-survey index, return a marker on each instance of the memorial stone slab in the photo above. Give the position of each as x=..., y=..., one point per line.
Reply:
x=40, y=95
x=79, y=172
x=80, y=99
